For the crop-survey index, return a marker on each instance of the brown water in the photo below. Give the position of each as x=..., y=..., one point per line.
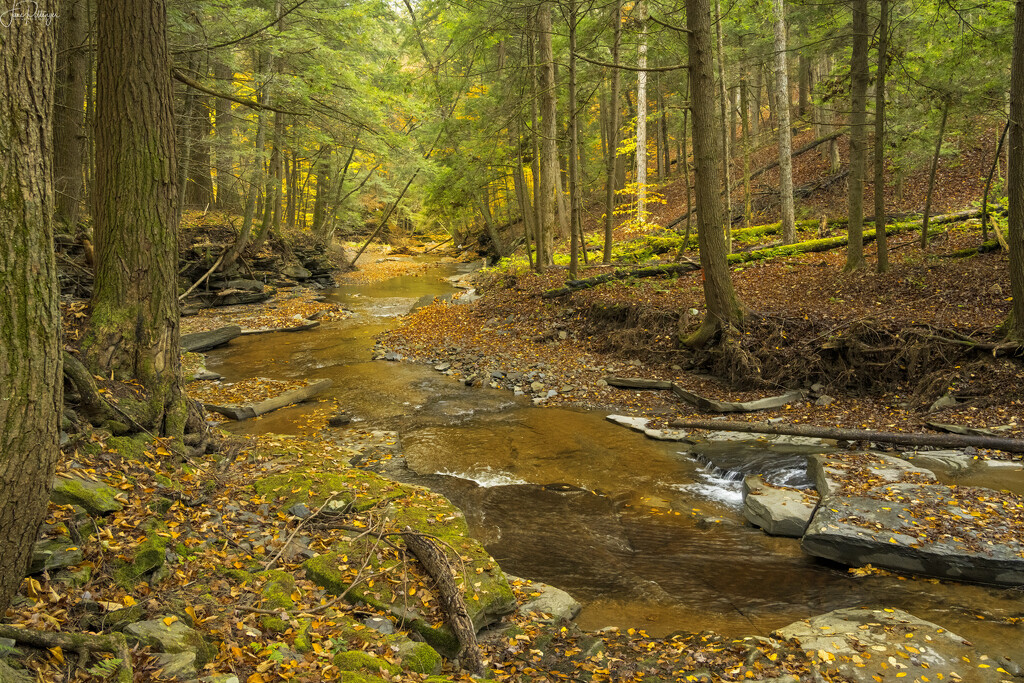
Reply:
x=637, y=530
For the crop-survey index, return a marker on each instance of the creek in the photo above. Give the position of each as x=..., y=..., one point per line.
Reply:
x=641, y=532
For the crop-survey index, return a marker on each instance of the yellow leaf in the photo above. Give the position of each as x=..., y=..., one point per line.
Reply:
x=191, y=611
x=255, y=678
x=170, y=620
x=129, y=600
x=412, y=591
x=57, y=653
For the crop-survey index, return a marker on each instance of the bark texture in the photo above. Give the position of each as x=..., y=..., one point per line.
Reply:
x=723, y=308
x=30, y=345
x=134, y=324
x=549, y=132
x=69, y=112
x=1015, y=178
x=858, y=135
x=785, y=133
x=883, y=64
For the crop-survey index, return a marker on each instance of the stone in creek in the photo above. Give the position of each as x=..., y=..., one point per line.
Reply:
x=442, y=367
x=882, y=531
x=339, y=419
x=868, y=645
x=829, y=473
x=537, y=387
x=392, y=355
x=779, y=511
x=553, y=602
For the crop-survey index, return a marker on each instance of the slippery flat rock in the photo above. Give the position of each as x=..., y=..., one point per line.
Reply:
x=831, y=474
x=639, y=424
x=780, y=439
x=926, y=529
x=948, y=460
x=204, y=341
x=779, y=511
x=872, y=645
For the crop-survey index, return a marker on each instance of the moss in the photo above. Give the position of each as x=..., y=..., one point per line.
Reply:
x=276, y=594
x=95, y=498
x=129, y=447
x=418, y=657
x=240, y=575
x=356, y=677
x=357, y=660
x=303, y=643
x=149, y=557
x=361, y=490
x=160, y=505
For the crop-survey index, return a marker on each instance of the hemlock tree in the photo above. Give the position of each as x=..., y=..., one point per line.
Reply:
x=723, y=308
x=785, y=134
x=30, y=345
x=1014, y=326
x=858, y=135
x=133, y=332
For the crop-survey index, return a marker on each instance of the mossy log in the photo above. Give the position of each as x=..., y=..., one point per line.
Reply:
x=622, y=274
x=76, y=642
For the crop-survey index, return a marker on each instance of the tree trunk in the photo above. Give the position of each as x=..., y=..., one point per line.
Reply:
x=323, y=191
x=755, y=104
x=931, y=174
x=69, y=113
x=549, y=131
x=723, y=98
x=785, y=134
x=574, y=152
x=804, y=85
x=613, y=138
x=30, y=322
x=858, y=135
x=883, y=48
x=133, y=330
x=224, y=144
x=723, y=308
x=641, y=116
x=1014, y=326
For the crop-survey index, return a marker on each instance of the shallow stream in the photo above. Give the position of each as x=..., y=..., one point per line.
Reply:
x=643, y=533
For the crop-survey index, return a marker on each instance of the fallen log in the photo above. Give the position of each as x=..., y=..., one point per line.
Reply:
x=712, y=406
x=250, y=410
x=204, y=341
x=77, y=642
x=622, y=274
x=304, y=325
x=1005, y=444
x=703, y=403
x=440, y=569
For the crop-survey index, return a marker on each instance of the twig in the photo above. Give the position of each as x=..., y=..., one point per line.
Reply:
x=273, y=560
x=206, y=275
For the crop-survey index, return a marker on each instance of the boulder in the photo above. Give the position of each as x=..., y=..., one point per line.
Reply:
x=296, y=272
x=872, y=645
x=95, y=497
x=54, y=553
x=204, y=341
x=487, y=593
x=961, y=533
x=778, y=510
x=547, y=600
x=173, y=638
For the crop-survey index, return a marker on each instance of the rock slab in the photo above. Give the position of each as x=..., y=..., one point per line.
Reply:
x=779, y=511
x=879, y=645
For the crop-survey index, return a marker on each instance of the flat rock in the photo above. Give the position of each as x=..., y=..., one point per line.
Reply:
x=781, y=439
x=639, y=424
x=173, y=638
x=952, y=461
x=54, y=553
x=779, y=511
x=873, y=645
x=961, y=533
x=833, y=475
x=296, y=272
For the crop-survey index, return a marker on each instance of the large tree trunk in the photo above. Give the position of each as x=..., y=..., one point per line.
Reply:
x=641, y=116
x=883, y=43
x=613, y=139
x=69, y=113
x=723, y=98
x=575, y=226
x=323, y=184
x=858, y=135
x=549, y=131
x=30, y=343
x=723, y=308
x=785, y=134
x=133, y=330
x=1014, y=326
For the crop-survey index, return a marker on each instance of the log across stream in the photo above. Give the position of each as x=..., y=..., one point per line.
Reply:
x=643, y=534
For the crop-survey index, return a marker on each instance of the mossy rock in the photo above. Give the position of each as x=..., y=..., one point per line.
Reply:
x=486, y=591
x=358, y=677
x=54, y=553
x=173, y=638
x=303, y=643
x=129, y=447
x=418, y=657
x=357, y=660
x=276, y=593
x=96, y=498
x=149, y=557
x=356, y=490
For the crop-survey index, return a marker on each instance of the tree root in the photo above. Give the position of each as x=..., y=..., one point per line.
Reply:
x=77, y=642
